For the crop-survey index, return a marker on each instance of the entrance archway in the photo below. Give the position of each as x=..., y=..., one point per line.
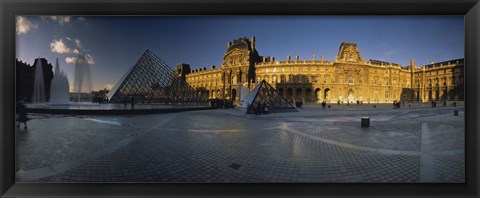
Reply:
x=234, y=94
x=308, y=95
x=317, y=95
x=327, y=94
x=281, y=92
x=298, y=94
x=289, y=93
x=351, y=98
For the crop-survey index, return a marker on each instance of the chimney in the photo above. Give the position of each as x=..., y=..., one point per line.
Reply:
x=252, y=42
x=229, y=44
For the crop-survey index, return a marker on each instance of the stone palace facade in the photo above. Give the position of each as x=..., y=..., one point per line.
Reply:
x=348, y=78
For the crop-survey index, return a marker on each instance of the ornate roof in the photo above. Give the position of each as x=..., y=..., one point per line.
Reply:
x=348, y=51
x=243, y=44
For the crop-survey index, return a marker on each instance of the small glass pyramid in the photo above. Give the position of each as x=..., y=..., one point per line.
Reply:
x=265, y=95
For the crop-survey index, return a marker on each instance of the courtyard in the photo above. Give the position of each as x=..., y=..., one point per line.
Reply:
x=414, y=143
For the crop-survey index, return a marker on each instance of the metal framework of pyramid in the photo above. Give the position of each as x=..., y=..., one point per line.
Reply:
x=265, y=94
x=151, y=81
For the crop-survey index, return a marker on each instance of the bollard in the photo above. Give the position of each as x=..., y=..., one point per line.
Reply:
x=365, y=122
x=374, y=106
x=329, y=106
x=455, y=112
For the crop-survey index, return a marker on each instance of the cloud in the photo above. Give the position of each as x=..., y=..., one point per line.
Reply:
x=108, y=86
x=58, y=46
x=390, y=52
x=82, y=59
x=70, y=60
x=78, y=43
x=23, y=25
x=89, y=59
x=62, y=20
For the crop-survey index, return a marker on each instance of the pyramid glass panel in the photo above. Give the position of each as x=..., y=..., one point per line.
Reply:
x=152, y=81
x=264, y=94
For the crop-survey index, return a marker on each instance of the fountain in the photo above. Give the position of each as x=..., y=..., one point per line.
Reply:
x=39, y=86
x=59, y=92
x=83, y=82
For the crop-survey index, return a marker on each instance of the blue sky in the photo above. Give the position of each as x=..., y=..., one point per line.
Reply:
x=114, y=43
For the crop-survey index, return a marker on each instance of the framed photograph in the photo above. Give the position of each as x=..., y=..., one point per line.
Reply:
x=239, y=99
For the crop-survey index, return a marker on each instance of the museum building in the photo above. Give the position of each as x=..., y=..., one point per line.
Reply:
x=349, y=78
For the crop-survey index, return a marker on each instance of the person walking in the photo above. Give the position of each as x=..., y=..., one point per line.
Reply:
x=22, y=115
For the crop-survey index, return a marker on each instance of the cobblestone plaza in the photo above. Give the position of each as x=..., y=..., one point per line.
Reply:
x=410, y=144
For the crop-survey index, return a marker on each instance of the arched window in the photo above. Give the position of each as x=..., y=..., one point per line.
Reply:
x=350, y=79
x=282, y=78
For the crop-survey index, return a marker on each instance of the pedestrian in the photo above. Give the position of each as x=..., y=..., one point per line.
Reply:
x=21, y=114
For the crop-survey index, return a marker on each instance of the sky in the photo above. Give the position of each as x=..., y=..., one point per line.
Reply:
x=113, y=44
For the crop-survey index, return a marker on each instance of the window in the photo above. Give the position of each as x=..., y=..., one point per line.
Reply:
x=283, y=69
x=274, y=69
x=274, y=79
x=266, y=70
x=386, y=94
x=317, y=79
x=350, y=80
x=282, y=79
x=309, y=68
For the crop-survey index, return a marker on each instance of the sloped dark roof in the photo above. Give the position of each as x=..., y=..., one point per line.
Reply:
x=460, y=61
x=379, y=62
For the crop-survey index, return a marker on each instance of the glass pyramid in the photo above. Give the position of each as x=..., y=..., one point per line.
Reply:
x=264, y=94
x=150, y=80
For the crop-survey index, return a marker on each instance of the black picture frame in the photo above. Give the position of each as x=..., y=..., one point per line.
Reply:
x=10, y=8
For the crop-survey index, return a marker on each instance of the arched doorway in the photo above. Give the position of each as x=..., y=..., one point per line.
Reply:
x=281, y=92
x=289, y=94
x=298, y=94
x=234, y=94
x=351, y=98
x=327, y=94
x=308, y=95
x=317, y=95
x=208, y=94
x=218, y=93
